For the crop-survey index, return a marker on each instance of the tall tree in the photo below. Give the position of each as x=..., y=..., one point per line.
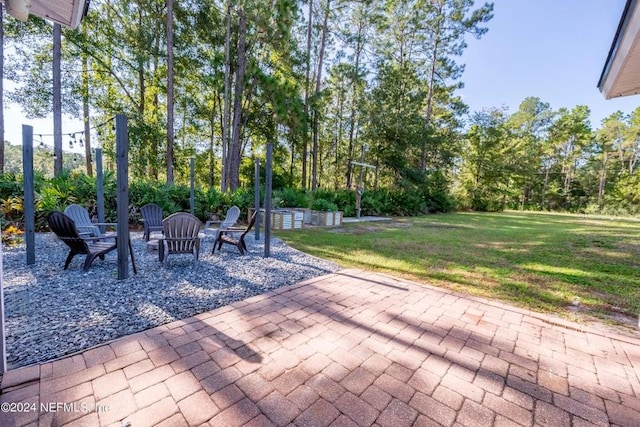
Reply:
x=629, y=148
x=170, y=124
x=446, y=24
x=607, y=138
x=529, y=128
x=318, y=79
x=307, y=89
x=570, y=133
x=235, y=147
x=226, y=120
x=363, y=17
x=485, y=168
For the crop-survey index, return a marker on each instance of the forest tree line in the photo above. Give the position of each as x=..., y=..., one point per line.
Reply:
x=325, y=81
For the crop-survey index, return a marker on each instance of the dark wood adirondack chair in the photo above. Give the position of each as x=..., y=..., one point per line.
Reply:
x=227, y=236
x=97, y=246
x=152, y=219
x=181, y=236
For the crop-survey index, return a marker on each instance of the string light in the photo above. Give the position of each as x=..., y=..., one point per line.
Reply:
x=72, y=135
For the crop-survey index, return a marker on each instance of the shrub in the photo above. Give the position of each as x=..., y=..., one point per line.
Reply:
x=207, y=203
x=291, y=198
x=323, y=205
x=11, y=236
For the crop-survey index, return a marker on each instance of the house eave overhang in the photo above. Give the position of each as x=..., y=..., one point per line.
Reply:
x=68, y=13
x=621, y=73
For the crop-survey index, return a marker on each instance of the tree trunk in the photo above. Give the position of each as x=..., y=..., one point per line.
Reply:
x=603, y=177
x=85, y=113
x=545, y=184
x=338, y=139
x=227, y=101
x=170, y=130
x=212, y=123
x=316, y=118
x=352, y=117
x=307, y=88
x=633, y=158
x=156, y=142
x=430, y=94
x=57, y=101
x=233, y=173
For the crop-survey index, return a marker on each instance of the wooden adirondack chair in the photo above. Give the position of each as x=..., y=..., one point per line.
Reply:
x=93, y=246
x=152, y=219
x=229, y=221
x=81, y=218
x=181, y=236
x=84, y=225
x=227, y=236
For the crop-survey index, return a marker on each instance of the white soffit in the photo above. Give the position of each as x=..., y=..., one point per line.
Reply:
x=621, y=74
x=64, y=12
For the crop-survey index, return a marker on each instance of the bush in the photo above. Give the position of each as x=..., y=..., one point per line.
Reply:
x=291, y=198
x=323, y=205
x=58, y=193
x=207, y=203
x=11, y=236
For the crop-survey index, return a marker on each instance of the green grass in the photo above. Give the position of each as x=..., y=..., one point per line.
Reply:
x=543, y=262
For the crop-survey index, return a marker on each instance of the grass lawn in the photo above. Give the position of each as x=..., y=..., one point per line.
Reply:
x=566, y=264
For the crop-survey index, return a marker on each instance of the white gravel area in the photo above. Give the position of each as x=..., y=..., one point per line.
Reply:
x=50, y=312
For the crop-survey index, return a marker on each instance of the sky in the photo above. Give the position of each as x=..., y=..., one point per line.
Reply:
x=552, y=49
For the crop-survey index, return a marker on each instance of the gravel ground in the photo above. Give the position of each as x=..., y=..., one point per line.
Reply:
x=50, y=312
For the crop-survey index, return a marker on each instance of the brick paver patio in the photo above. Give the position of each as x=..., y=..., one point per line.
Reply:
x=347, y=349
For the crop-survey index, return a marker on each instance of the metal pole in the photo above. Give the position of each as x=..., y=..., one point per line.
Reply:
x=29, y=198
x=122, y=159
x=256, y=197
x=192, y=194
x=267, y=201
x=100, y=188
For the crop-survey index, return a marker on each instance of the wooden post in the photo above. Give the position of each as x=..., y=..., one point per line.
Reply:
x=360, y=190
x=100, y=188
x=122, y=159
x=57, y=100
x=29, y=198
x=3, y=344
x=192, y=194
x=256, y=197
x=267, y=201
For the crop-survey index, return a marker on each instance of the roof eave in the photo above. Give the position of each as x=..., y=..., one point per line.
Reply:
x=625, y=39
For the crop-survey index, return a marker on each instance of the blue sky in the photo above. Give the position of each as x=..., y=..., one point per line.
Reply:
x=552, y=49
